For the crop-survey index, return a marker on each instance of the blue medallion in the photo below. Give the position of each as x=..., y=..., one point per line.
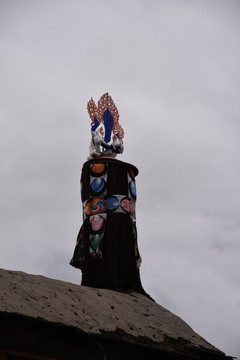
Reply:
x=112, y=203
x=133, y=190
x=98, y=185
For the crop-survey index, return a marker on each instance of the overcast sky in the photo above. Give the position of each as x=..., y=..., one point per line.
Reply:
x=172, y=68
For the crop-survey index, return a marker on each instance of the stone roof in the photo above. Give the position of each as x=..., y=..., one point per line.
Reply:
x=126, y=317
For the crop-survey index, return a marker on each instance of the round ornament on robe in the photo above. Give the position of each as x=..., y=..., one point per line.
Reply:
x=131, y=173
x=98, y=186
x=112, y=203
x=125, y=204
x=98, y=169
x=97, y=223
x=133, y=190
x=95, y=240
x=95, y=206
x=98, y=205
x=132, y=208
x=87, y=208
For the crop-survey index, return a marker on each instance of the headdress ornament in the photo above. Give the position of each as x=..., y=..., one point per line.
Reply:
x=107, y=133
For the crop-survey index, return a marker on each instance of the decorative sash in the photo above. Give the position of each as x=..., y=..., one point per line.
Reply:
x=109, y=204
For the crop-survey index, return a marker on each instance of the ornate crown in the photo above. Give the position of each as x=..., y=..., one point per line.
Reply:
x=107, y=133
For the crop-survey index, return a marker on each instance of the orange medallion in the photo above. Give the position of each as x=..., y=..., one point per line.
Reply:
x=98, y=168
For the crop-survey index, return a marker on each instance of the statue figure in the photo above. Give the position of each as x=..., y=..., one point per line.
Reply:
x=106, y=250
x=104, y=123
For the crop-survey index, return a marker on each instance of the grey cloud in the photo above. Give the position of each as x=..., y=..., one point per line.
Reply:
x=173, y=70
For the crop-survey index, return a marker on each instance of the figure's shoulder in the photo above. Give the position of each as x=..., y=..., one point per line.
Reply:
x=108, y=160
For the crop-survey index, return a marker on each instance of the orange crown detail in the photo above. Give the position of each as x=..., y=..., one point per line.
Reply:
x=96, y=112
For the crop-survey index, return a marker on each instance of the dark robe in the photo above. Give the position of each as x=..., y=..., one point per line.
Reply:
x=106, y=250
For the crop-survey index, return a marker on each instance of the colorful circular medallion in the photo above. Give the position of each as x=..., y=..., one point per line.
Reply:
x=132, y=208
x=98, y=205
x=98, y=186
x=87, y=208
x=112, y=203
x=133, y=190
x=97, y=222
x=131, y=173
x=98, y=169
x=125, y=204
x=95, y=240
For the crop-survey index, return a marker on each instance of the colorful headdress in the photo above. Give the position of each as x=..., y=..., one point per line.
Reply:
x=107, y=133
